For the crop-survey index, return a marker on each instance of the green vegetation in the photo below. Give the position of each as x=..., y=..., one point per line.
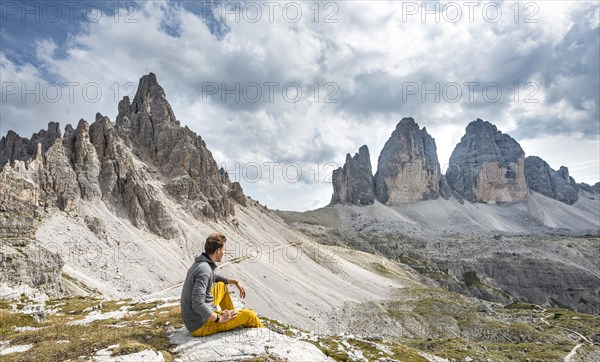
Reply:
x=430, y=320
x=5, y=304
x=341, y=349
x=57, y=340
x=331, y=348
x=129, y=348
x=521, y=305
x=9, y=320
x=263, y=358
x=471, y=279
x=143, y=306
x=450, y=326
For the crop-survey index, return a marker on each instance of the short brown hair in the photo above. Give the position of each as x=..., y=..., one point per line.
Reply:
x=213, y=242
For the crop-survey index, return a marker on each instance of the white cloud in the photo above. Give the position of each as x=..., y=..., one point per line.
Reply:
x=370, y=53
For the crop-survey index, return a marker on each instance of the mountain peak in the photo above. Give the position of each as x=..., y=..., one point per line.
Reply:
x=353, y=183
x=406, y=122
x=148, y=87
x=479, y=126
x=407, y=169
x=487, y=165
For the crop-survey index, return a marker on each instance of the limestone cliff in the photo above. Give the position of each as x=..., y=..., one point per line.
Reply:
x=353, y=183
x=407, y=169
x=139, y=167
x=487, y=166
x=149, y=126
x=555, y=184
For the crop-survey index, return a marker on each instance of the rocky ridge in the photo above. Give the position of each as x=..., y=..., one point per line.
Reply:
x=555, y=184
x=353, y=183
x=486, y=166
x=130, y=166
x=408, y=171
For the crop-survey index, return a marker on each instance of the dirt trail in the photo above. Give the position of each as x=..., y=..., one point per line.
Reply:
x=573, y=352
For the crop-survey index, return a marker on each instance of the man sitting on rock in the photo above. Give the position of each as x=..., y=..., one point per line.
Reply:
x=203, y=291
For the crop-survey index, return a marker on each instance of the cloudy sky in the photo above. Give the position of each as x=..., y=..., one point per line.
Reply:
x=281, y=91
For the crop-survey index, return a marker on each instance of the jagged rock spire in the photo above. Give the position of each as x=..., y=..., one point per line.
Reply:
x=408, y=169
x=353, y=183
x=555, y=184
x=102, y=161
x=487, y=165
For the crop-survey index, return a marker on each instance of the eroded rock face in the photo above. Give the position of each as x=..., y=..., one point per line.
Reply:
x=33, y=265
x=13, y=147
x=125, y=164
x=127, y=184
x=487, y=166
x=555, y=184
x=141, y=166
x=237, y=193
x=149, y=126
x=408, y=169
x=21, y=209
x=353, y=183
x=19, y=199
x=595, y=188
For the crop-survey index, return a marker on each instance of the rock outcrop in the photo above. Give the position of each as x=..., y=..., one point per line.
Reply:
x=487, y=166
x=126, y=183
x=591, y=189
x=14, y=147
x=353, y=183
x=149, y=126
x=555, y=184
x=126, y=165
x=407, y=169
x=139, y=167
x=445, y=189
x=21, y=209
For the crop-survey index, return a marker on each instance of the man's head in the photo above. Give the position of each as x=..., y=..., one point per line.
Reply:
x=215, y=246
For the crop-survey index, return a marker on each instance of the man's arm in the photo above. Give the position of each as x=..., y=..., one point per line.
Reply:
x=239, y=286
x=224, y=317
x=220, y=278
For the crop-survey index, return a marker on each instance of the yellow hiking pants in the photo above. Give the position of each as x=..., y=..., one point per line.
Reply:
x=245, y=318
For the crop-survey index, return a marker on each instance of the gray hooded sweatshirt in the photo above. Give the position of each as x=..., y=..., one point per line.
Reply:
x=196, y=300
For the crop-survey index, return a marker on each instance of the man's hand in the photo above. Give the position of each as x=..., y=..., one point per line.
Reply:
x=239, y=286
x=227, y=315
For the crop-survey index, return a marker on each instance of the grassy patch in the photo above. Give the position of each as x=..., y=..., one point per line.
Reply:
x=521, y=305
x=584, y=324
x=129, y=348
x=471, y=280
x=144, y=306
x=262, y=358
x=10, y=320
x=341, y=349
x=331, y=348
x=459, y=349
x=281, y=328
x=6, y=304
x=77, y=305
x=86, y=340
x=113, y=305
